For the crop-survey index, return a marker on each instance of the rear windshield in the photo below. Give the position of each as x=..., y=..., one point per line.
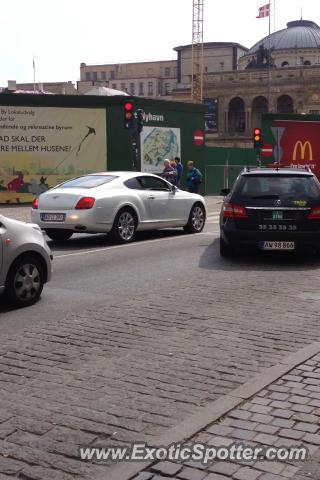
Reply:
x=278, y=186
x=88, y=181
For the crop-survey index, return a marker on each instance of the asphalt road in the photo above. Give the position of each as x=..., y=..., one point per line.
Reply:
x=89, y=270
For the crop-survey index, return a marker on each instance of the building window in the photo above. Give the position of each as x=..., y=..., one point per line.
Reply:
x=88, y=76
x=132, y=89
x=284, y=64
x=221, y=65
x=167, y=72
x=306, y=62
x=141, y=88
x=114, y=86
x=103, y=76
x=150, y=88
x=314, y=112
x=112, y=75
x=123, y=87
x=167, y=88
x=94, y=75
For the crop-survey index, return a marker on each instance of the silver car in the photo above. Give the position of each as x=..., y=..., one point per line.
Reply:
x=25, y=262
x=118, y=203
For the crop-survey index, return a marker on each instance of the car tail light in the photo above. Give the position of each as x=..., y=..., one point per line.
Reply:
x=231, y=210
x=35, y=203
x=314, y=214
x=85, y=203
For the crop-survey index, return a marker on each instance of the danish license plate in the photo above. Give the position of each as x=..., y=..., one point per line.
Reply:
x=277, y=245
x=52, y=217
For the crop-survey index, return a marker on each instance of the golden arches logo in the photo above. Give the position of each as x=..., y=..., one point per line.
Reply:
x=303, y=149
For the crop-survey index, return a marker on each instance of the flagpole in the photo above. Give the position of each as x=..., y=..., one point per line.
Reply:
x=34, y=76
x=269, y=61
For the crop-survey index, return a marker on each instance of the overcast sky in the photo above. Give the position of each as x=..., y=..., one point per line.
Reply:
x=62, y=33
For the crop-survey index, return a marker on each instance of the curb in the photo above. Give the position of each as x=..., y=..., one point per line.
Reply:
x=215, y=410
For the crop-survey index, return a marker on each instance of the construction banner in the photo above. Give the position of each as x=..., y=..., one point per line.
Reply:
x=41, y=147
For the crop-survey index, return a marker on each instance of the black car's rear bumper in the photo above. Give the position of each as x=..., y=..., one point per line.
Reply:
x=235, y=237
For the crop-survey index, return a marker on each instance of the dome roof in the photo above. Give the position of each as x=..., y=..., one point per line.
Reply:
x=298, y=34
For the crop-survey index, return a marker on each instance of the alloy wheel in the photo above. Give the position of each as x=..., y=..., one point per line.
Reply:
x=126, y=226
x=27, y=282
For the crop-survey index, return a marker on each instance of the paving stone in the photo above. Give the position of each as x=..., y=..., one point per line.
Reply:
x=307, y=427
x=289, y=471
x=264, y=409
x=279, y=396
x=260, y=418
x=42, y=473
x=240, y=414
x=247, y=473
x=283, y=423
x=243, y=434
x=167, y=468
x=312, y=438
x=298, y=399
x=280, y=404
x=244, y=424
x=216, y=476
x=302, y=408
x=289, y=433
x=219, y=430
x=9, y=466
x=270, y=467
x=270, y=429
x=266, y=439
x=282, y=413
x=191, y=474
x=260, y=400
x=225, y=468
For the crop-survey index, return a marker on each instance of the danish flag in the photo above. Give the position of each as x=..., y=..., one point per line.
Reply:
x=264, y=11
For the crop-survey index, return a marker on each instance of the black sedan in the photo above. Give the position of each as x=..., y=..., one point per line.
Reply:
x=271, y=209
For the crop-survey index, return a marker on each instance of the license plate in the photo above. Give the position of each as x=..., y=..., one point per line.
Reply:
x=276, y=215
x=52, y=217
x=277, y=245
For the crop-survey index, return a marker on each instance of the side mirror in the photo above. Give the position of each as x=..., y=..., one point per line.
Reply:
x=225, y=191
x=174, y=189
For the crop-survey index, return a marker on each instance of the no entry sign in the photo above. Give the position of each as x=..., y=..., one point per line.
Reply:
x=267, y=150
x=198, y=137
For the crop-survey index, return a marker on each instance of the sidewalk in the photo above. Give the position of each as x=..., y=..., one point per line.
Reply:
x=285, y=413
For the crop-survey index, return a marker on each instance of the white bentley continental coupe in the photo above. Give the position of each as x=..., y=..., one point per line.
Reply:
x=117, y=203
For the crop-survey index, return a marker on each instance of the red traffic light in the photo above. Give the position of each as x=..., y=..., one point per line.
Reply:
x=128, y=106
x=257, y=131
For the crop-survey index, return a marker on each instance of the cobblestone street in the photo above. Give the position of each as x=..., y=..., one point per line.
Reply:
x=132, y=364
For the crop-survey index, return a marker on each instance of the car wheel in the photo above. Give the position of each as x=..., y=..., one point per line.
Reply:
x=58, y=235
x=24, y=282
x=225, y=249
x=197, y=219
x=124, y=226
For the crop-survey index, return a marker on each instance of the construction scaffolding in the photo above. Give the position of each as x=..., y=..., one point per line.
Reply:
x=197, y=52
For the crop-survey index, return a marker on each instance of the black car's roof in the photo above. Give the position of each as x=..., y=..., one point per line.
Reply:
x=276, y=171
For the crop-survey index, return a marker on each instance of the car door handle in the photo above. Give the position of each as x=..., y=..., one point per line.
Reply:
x=151, y=197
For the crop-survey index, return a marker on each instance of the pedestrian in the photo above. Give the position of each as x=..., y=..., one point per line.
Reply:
x=194, y=178
x=168, y=172
x=179, y=169
x=175, y=173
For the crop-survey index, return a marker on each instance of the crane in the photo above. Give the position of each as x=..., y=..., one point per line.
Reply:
x=197, y=52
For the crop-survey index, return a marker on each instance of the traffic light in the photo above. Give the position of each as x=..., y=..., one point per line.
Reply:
x=128, y=116
x=140, y=118
x=257, y=138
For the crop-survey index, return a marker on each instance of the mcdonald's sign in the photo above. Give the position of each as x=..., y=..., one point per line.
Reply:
x=302, y=148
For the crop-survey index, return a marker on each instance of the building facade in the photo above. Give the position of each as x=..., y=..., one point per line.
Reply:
x=142, y=79
x=280, y=74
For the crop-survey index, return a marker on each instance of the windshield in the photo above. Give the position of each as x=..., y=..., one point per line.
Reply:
x=88, y=181
x=274, y=186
